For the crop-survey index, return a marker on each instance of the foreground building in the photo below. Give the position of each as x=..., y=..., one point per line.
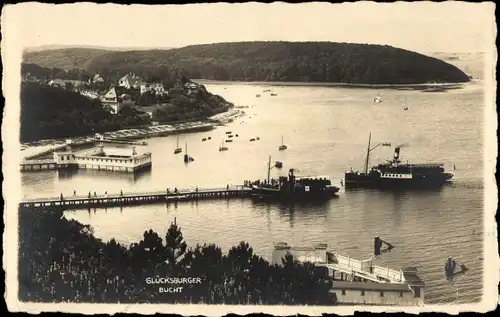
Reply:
x=359, y=282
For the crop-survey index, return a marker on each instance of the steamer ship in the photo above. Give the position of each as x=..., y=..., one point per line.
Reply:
x=293, y=187
x=397, y=175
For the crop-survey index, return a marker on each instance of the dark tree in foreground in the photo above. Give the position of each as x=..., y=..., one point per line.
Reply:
x=61, y=260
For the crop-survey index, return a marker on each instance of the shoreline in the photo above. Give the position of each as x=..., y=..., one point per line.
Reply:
x=150, y=131
x=326, y=84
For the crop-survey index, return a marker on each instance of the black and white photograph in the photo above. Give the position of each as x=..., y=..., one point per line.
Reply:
x=282, y=158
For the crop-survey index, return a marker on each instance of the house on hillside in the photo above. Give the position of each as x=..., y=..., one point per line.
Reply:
x=177, y=90
x=110, y=101
x=97, y=79
x=130, y=81
x=92, y=94
x=63, y=83
x=191, y=88
x=157, y=88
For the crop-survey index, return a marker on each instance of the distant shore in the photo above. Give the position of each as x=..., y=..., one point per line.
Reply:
x=328, y=84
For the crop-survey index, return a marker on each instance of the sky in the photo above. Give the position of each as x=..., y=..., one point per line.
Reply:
x=421, y=27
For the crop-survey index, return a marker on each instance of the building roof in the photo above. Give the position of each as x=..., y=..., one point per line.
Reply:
x=131, y=79
x=376, y=287
x=111, y=94
x=284, y=245
x=65, y=81
x=412, y=278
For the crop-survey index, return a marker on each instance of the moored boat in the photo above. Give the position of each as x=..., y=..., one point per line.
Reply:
x=187, y=158
x=222, y=147
x=282, y=146
x=293, y=187
x=177, y=149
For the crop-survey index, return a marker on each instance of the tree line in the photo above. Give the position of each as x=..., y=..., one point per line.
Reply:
x=60, y=260
x=277, y=61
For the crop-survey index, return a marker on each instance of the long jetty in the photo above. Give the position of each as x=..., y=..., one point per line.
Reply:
x=129, y=199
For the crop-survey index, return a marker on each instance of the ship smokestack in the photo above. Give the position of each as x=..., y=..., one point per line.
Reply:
x=396, y=154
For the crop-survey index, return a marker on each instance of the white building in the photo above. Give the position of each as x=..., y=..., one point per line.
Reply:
x=89, y=94
x=63, y=82
x=110, y=101
x=157, y=88
x=358, y=282
x=104, y=158
x=130, y=81
x=97, y=79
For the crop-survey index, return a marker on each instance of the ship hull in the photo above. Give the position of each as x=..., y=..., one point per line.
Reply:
x=353, y=180
x=274, y=194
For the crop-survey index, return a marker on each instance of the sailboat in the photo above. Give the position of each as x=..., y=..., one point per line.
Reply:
x=282, y=146
x=222, y=147
x=406, y=104
x=177, y=149
x=187, y=158
x=377, y=99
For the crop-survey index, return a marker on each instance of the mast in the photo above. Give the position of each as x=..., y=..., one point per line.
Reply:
x=177, y=142
x=186, y=148
x=282, y=139
x=368, y=153
x=269, y=169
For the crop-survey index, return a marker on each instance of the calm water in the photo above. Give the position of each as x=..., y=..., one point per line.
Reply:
x=326, y=130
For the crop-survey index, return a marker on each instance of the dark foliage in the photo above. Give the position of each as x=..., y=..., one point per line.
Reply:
x=267, y=61
x=61, y=260
x=51, y=112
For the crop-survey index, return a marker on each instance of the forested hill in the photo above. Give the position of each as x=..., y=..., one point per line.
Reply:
x=267, y=61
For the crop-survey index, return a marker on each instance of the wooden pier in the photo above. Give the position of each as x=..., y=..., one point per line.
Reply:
x=39, y=165
x=129, y=199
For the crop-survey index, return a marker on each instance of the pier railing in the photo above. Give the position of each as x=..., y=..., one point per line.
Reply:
x=365, y=269
x=45, y=161
x=92, y=199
